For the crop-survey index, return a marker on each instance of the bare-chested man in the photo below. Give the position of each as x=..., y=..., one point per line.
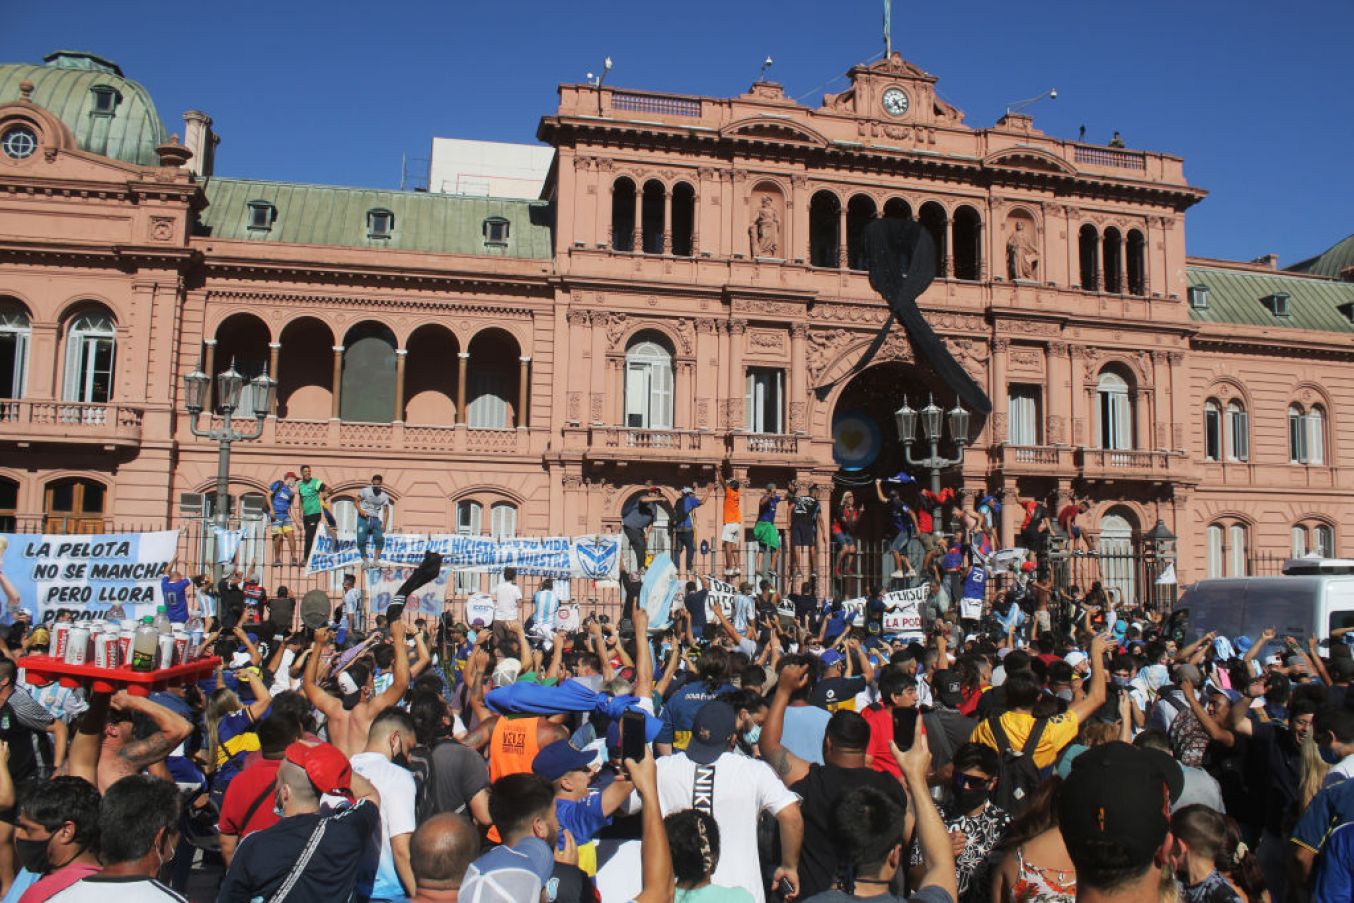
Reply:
x=348, y=728
x=104, y=750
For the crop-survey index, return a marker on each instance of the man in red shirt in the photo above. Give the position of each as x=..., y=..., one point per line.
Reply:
x=897, y=690
x=248, y=803
x=1067, y=519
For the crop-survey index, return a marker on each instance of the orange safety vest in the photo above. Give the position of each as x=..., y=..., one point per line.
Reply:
x=512, y=746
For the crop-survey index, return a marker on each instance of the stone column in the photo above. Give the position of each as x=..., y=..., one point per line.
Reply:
x=667, y=220
x=462, y=361
x=208, y=366
x=1001, y=401
x=637, y=240
x=946, y=252
x=1179, y=392
x=274, y=349
x=1076, y=401
x=1010, y=506
x=523, y=384
x=1142, y=422
x=1058, y=396
x=799, y=389
x=842, y=260
x=737, y=331
x=1123, y=265
x=401, y=355
x=337, y=384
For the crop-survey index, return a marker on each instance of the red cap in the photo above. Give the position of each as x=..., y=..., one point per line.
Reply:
x=1027, y=566
x=327, y=768
x=291, y=475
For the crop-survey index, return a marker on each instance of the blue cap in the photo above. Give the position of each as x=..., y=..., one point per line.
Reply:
x=711, y=730
x=832, y=657
x=1242, y=644
x=558, y=759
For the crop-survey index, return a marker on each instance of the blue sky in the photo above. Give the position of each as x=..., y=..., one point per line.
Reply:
x=1252, y=94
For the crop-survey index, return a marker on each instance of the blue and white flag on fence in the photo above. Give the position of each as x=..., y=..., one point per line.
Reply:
x=592, y=557
x=227, y=544
x=91, y=575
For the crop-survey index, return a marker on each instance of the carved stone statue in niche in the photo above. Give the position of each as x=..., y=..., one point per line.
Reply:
x=764, y=232
x=1022, y=253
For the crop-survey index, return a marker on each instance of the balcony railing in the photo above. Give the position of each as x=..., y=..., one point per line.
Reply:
x=1115, y=159
x=1120, y=463
x=69, y=422
x=764, y=445
x=394, y=437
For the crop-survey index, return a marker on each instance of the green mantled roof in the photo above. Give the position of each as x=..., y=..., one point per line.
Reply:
x=331, y=215
x=1238, y=296
x=130, y=132
x=1332, y=262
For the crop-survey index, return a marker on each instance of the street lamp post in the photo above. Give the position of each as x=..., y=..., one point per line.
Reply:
x=229, y=385
x=1163, y=554
x=932, y=425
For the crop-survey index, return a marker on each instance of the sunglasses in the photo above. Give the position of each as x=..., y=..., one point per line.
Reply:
x=969, y=782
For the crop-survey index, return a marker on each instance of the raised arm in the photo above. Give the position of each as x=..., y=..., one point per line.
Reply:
x=655, y=855
x=726, y=624
x=318, y=697
x=643, y=654
x=423, y=657
x=262, y=698
x=1265, y=636
x=1083, y=709
x=1214, y=730
x=395, y=692
x=936, y=851
x=254, y=657
x=599, y=649
x=788, y=767
x=879, y=490
x=83, y=760
x=669, y=669
x=173, y=729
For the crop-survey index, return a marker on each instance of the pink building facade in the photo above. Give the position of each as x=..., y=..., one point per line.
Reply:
x=661, y=314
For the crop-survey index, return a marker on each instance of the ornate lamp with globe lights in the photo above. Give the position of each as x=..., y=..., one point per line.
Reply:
x=932, y=424
x=229, y=387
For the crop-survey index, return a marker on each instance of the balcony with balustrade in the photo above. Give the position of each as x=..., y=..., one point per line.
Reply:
x=406, y=438
x=766, y=448
x=25, y=423
x=1032, y=460
x=1117, y=464
x=620, y=445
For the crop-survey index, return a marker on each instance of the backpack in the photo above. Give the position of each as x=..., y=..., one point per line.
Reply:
x=1017, y=775
x=1188, y=738
x=425, y=783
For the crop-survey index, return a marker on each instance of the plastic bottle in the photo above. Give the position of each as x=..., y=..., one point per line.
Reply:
x=162, y=624
x=145, y=645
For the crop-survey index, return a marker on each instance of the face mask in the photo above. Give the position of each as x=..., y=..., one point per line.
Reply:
x=752, y=735
x=968, y=800
x=278, y=809
x=1064, y=695
x=400, y=757
x=33, y=855
x=1328, y=755
x=470, y=637
x=1120, y=681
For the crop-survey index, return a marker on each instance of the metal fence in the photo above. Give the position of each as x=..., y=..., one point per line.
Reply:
x=1128, y=567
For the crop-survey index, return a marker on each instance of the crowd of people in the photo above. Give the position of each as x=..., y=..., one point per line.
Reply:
x=1040, y=746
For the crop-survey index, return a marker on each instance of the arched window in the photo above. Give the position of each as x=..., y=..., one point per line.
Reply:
x=653, y=214
x=1297, y=435
x=1116, y=411
x=1113, y=258
x=367, y=388
x=9, y=506
x=73, y=506
x=933, y=217
x=14, y=334
x=1316, y=435
x=503, y=520
x=825, y=230
x=1236, y=551
x=648, y=384
x=91, y=342
x=683, y=220
x=897, y=208
x=1238, y=432
x=1088, y=248
x=968, y=244
x=1117, y=563
x=469, y=522
x=1137, y=263
x=1325, y=540
x=623, y=215
x=493, y=381
x=1215, y=543
x=859, y=212
x=1212, y=431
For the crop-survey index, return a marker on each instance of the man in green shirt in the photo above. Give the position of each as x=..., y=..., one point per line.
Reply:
x=314, y=493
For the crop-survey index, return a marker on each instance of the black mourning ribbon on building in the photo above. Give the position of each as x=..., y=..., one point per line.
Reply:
x=902, y=261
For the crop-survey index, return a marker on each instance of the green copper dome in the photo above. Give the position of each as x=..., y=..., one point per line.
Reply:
x=109, y=114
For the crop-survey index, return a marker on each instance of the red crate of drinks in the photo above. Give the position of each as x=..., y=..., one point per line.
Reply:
x=110, y=680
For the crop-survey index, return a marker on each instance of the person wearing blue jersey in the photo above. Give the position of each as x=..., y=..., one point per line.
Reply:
x=684, y=528
x=544, y=607
x=281, y=494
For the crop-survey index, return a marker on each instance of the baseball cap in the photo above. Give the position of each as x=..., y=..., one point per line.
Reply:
x=509, y=874
x=291, y=475
x=688, y=490
x=324, y=765
x=1074, y=658
x=559, y=758
x=832, y=657
x=1121, y=794
x=710, y=732
x=945, y=687
x=1242, y=644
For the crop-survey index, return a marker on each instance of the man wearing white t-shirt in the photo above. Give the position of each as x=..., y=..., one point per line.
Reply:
x=507, y=605
x=390, y=738
x=734, y=789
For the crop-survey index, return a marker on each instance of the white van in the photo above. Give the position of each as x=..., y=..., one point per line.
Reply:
x=1313, y=597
